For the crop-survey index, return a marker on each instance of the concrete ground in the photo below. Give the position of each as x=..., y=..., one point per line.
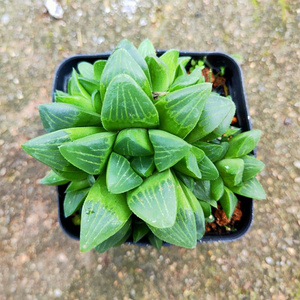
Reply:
x=38, y=261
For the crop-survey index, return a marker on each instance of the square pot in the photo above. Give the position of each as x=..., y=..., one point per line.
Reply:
x=234, y=82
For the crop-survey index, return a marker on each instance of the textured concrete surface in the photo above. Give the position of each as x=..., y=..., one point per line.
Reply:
x=37, y=261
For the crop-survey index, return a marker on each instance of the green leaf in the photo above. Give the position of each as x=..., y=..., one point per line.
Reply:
x=183, y=232
x=170, y=59
x=216, y=188
x=213, y=151
x=73, y=201
x=120, y=177
x=99, y=66
x=154, y=241
x=126, y=106
x=183, y=60
x=198, y=211
x=75, y=88
x=252, y=166
x=208, y=169
x=215, y=111
x=202, y=192
x=127, y=45
x=53, y=179
x=75, y=100
x=114, y=239
x=159, y=73
x=206, y=207
x=243, y=143
x=45, y=148
x=146, y=48
x=96, y=102
x=78, y=185
x=143, y=166
x=251, y=189
x=74, y=175
x=199, y=154
x=180, y=111
x=154, y=201
x=57, y=116
x=125, y=238
x=168, y=149
x=188, y=181
x=90, y=85
x=139, y=231
x=90, y=153
x=180, y=70
x=188, y=166
x=231, y=170
x=183, y=81
x=86, y=70
x=103, y=214
x=228, y=202
x=133, y=142
x=121, y=62
x=223, y=126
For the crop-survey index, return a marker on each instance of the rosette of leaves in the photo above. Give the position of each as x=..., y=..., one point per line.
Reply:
x=145, y=149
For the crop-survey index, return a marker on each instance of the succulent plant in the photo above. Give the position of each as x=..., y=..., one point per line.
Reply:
x=145, y=149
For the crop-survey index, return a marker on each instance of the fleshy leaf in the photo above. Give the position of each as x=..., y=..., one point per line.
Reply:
x=188, y=166
x=86, y=70
x=216, y=188
x=143, y=166
x=127, y=45
x=146, y=48
x=114, y=239
x=90, y=153
x=121, y=62
x=206, y=207
x=159, y=73
x=183, y=60
x=139, y=231
x=99, y=66
x=170, y=59
x=213, y=151
x=214, y=112
x=133, y=142
x=231, y=170
x=154, y=201
x=74, y=175
x=202, y=192
x=199, y=154
x=251, y=189
x=73, y=201
x=183, y=82
x=188, y=181
x=103, y=214
x=154, y=241
x=124, y=238
x=208, y=169
x=57, y=116
x=53, y=179
x=78, y=185
x=180, y=111
x=252, y=166
x=168, y=149
x=75, y=88
x=183, y=232
x=228, y=202
x=96, y=102
x=198, y=211
x=90, y=85
x=243, y=143
x=45, y=148
x=75, y=100
x=120, y=177
x=126, y=106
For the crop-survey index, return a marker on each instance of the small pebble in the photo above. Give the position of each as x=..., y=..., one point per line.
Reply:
x=57, y=293
x=269, y=260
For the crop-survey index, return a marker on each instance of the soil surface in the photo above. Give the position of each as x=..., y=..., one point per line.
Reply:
x=38, y=261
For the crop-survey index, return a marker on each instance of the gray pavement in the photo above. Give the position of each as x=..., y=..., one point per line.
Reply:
x=37, y=261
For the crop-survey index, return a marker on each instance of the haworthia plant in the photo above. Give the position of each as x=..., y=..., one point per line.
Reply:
x=145, y=149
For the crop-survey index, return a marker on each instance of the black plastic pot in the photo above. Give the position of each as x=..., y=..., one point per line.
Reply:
x=234, y=82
